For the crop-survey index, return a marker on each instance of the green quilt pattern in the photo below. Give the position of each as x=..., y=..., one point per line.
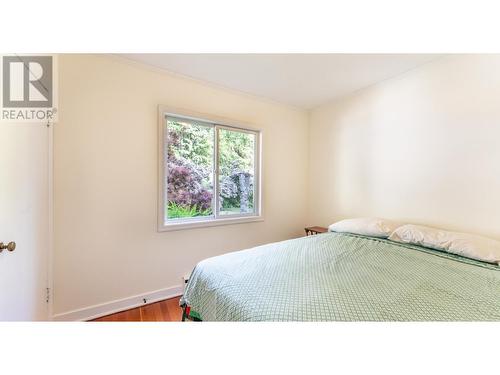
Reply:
x=343, y=277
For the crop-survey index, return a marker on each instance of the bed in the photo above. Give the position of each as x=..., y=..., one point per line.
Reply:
x=342, y=277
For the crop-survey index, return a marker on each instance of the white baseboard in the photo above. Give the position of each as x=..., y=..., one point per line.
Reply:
x=96, y=311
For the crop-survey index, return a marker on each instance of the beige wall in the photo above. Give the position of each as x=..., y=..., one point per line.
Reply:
x=423, y=147
x=105, y=180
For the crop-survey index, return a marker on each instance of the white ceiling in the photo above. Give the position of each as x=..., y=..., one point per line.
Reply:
x=301, y=80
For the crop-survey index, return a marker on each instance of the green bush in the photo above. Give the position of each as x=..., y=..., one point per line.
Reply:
x=176, y=211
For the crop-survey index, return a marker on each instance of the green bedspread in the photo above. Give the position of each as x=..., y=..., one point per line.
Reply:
x=343, y=277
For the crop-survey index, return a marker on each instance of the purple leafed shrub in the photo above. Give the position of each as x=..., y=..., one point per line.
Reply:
x=185, y=181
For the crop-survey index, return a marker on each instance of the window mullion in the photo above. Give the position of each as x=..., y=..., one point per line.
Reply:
x=216, y=173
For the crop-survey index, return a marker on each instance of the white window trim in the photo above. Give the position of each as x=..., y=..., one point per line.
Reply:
x=217, y=220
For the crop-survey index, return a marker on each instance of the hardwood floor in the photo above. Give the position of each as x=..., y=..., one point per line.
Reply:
x=162, y=311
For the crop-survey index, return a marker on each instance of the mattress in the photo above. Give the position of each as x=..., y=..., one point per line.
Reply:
x=342, y=277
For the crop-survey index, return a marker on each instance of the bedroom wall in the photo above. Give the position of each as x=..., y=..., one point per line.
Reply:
x=423, y=147
x=106, y=246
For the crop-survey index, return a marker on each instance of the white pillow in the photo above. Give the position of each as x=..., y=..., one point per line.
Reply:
x=366, y=226
x=467, y=245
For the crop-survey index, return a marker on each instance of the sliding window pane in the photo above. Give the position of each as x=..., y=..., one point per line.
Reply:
x=189, y=174
x=236, y=172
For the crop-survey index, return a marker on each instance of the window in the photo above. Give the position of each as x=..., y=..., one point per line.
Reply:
x=209, y=173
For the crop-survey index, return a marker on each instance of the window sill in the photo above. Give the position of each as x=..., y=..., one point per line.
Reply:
x=208, y=223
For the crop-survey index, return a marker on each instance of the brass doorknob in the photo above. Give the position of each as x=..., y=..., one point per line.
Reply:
x=11, y=246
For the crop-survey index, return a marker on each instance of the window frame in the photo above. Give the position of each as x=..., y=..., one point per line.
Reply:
x=216, y=219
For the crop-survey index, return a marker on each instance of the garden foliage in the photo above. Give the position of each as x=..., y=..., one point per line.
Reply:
x=190, y=151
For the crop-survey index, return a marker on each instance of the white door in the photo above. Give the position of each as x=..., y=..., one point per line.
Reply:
x=24, y=219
